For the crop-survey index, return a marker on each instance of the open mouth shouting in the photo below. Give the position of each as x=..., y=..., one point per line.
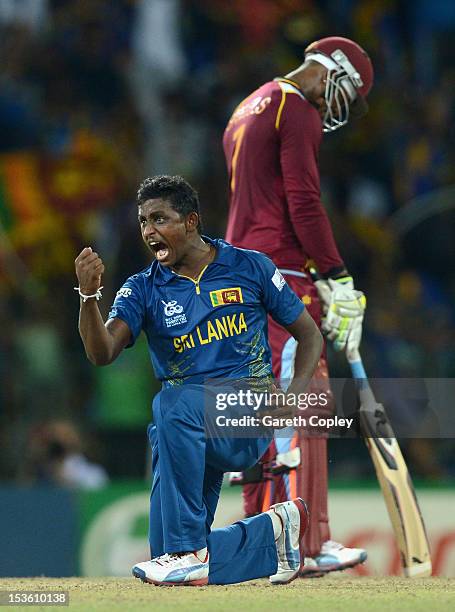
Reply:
x=160, y=249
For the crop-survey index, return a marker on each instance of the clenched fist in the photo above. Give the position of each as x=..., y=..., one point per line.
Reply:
x=89, y=268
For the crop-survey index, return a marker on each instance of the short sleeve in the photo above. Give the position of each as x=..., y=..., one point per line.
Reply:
x=278, y=298
x=129, y=306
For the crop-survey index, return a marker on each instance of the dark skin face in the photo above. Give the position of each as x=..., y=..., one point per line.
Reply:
x=312, y=78
x=172, y=238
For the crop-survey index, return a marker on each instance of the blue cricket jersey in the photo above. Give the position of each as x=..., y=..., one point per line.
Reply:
x=212, y=327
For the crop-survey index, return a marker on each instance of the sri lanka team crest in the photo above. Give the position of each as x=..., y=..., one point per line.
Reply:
x=220, y=297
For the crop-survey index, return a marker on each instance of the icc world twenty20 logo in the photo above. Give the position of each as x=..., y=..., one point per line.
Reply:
x=174, y=313
x=172, y=308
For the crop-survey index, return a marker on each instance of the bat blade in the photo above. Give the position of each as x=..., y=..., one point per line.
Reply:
x=396, y=485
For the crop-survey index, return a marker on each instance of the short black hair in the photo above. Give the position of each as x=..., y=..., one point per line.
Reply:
x=173, y=189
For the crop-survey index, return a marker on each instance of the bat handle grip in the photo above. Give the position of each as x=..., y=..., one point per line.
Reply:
x=353, y=356
x=355, y=361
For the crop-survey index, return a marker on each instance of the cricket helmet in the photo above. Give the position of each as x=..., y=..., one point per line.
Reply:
x=349, y=78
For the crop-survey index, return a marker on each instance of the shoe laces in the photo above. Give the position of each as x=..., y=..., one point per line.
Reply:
x=169, y=558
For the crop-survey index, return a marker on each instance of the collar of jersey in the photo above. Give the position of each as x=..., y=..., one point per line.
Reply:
x=289, y=81
x=224, y=257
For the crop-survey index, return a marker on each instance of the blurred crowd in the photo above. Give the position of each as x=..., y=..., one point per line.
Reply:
x=97, y=94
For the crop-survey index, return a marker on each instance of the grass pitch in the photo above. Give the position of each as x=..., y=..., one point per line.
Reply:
x=331, y=593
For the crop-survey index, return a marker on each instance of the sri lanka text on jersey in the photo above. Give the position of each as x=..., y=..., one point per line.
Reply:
x=218, y=329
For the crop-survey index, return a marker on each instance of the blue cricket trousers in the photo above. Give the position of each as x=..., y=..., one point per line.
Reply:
x=188, y=471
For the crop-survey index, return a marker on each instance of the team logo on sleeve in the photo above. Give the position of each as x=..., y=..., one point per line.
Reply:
x=174, y=313
x=124, y=292
x=221, y=297
x=278, y=280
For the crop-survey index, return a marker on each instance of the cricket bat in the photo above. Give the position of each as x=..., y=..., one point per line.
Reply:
x=393, y=476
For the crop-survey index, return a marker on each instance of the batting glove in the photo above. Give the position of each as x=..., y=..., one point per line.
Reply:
x=343, y=308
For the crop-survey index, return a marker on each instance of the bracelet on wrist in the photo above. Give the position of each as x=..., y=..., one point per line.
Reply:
x=97, y=296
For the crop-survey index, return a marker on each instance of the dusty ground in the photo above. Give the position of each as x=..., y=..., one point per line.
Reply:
x=337, y=593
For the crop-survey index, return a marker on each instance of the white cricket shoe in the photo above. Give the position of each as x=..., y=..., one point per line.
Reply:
x=310, y=569
x=294, y=521
x=178, y=569
x=333, y=557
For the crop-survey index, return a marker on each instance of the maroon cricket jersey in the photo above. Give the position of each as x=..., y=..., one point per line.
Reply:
x=271, y=145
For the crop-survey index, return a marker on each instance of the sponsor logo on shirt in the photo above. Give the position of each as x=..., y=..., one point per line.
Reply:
x=124, y=292
x=278, y=280
x=174, y=313
x=220, y=297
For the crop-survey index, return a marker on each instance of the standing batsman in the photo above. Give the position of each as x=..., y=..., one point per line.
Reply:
x=271, y=145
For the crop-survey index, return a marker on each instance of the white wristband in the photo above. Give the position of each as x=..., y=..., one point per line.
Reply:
x=84, y=297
